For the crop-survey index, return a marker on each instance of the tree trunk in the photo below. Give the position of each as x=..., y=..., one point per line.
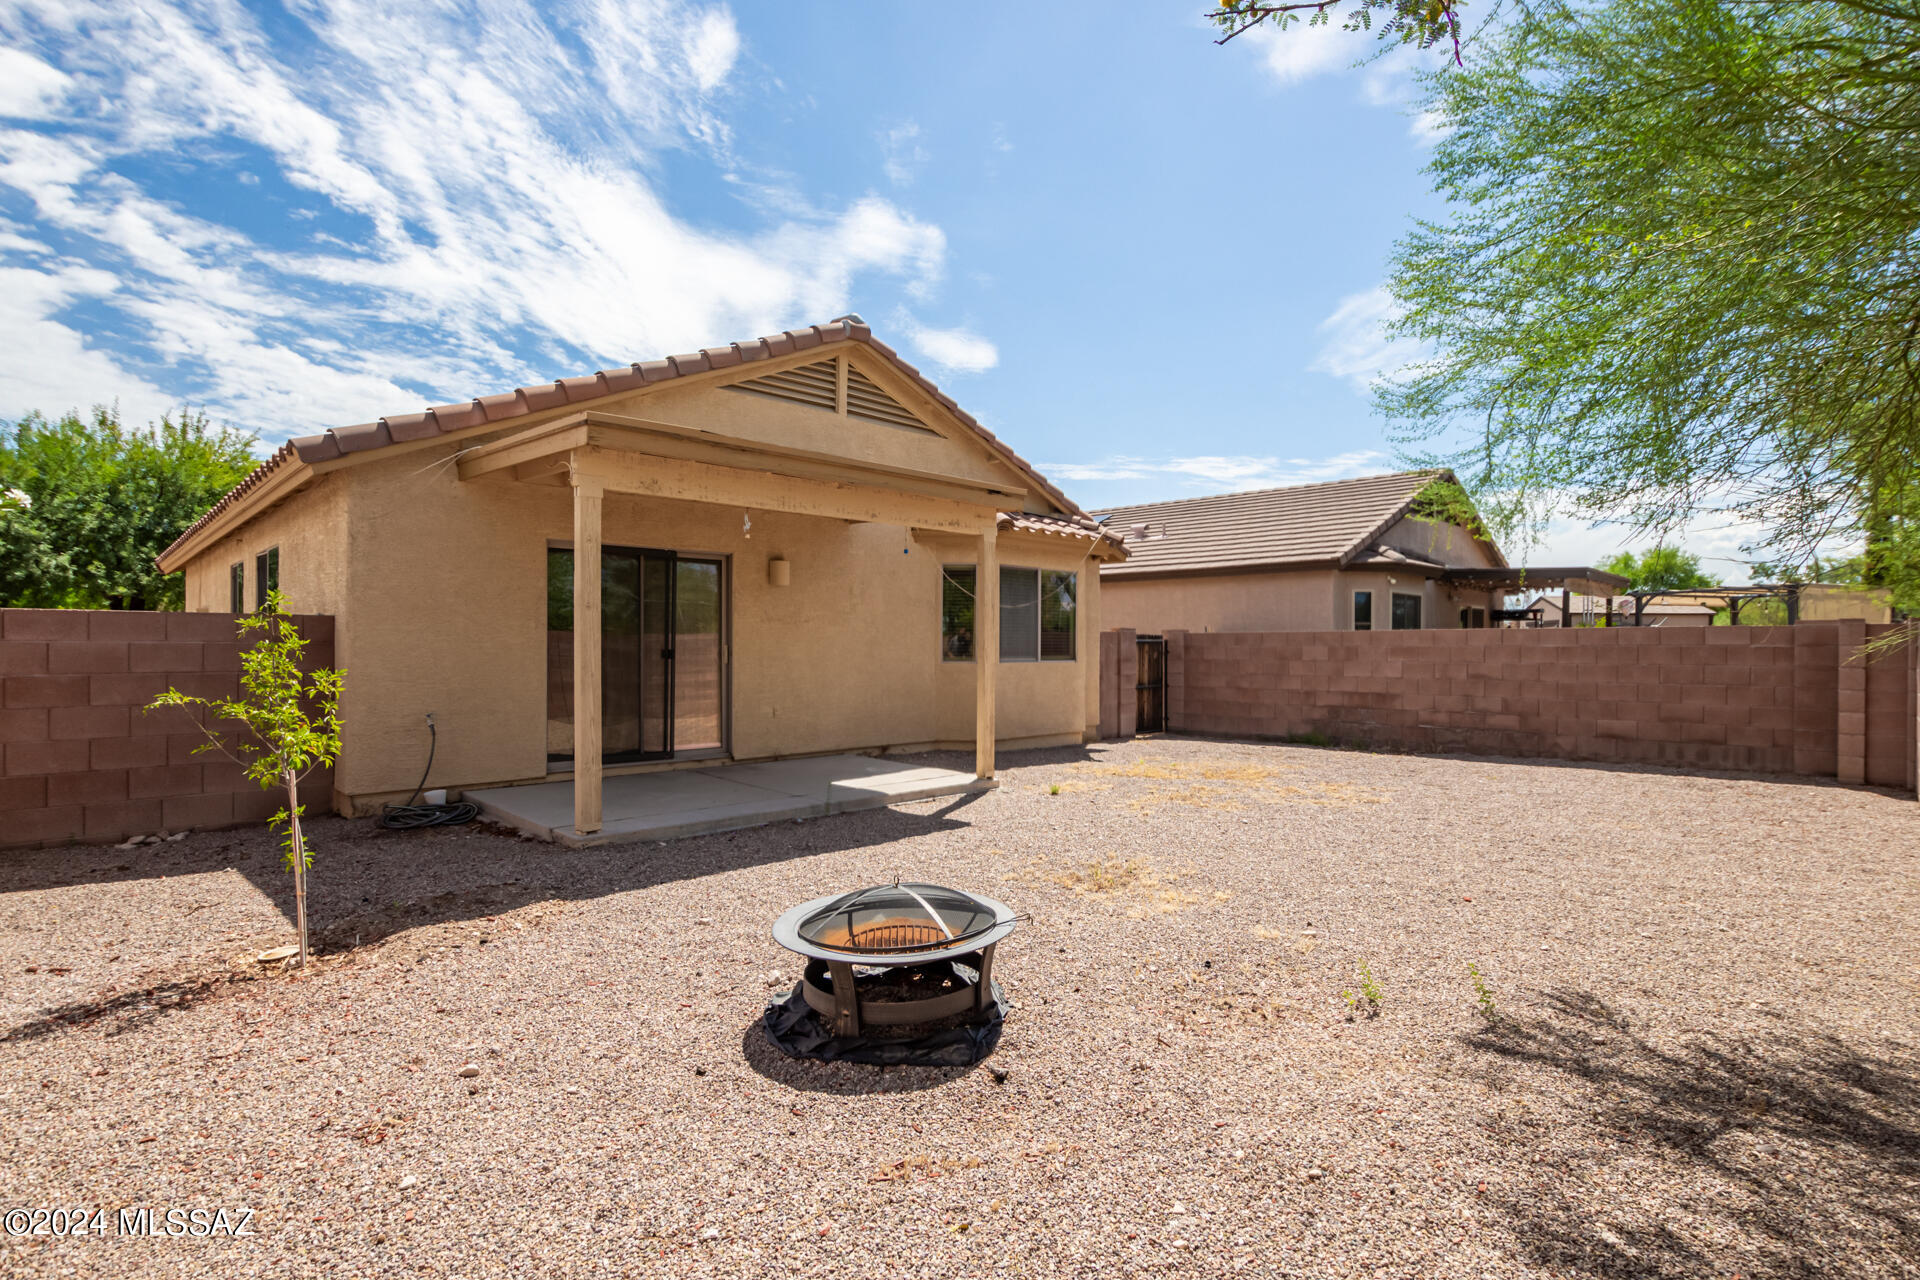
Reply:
x=299, y=863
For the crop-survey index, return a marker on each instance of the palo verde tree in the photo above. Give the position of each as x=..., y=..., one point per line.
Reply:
x=93, y=502
x=1678, y=273
x=1423, y=23
x=286, y=724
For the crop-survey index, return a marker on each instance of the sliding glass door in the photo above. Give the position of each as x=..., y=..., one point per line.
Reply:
x=662, y=655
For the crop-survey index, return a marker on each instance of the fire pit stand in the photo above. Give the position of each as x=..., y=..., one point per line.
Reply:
x=887, y=957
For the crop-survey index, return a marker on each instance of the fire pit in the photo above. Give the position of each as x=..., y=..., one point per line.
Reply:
x=895, y=956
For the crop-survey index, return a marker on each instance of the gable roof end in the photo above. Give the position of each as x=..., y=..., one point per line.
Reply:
x=338, y=442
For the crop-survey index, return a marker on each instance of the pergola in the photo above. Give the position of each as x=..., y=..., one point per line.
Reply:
x=595, y=454
x=1729, y=598
x=1587, y=581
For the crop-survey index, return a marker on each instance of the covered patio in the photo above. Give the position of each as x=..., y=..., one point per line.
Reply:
x=695, y=802
x=595, y=454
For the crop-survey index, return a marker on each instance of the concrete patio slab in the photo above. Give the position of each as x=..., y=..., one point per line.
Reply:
x=690, y=802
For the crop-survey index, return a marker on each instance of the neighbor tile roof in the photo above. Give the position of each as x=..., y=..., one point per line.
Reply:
x=426, y=423
x=1308, y=524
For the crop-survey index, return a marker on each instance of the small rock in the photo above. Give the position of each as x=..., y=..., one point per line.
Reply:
x=409, y=1182
x=703, y=920
x=711, y=1233
x=1314, y=1175
x=699, y=1071
x=178, y=835
x=999, y=1074
x=468, y=1071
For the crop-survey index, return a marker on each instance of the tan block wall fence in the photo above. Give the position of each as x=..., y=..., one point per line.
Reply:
x=1784, y=700
x=78, y=759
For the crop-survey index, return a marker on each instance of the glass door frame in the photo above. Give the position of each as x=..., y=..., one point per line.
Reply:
x=724, y=563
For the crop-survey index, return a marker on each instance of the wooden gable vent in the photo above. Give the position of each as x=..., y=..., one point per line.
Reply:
x=865, y=399
x=813, y=384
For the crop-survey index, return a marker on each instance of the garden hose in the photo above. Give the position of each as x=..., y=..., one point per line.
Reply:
x=413, y=815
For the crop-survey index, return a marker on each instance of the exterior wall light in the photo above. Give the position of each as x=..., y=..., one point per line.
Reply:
x=779, y=572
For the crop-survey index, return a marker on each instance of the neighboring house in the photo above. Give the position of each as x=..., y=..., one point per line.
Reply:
x=789, y=531
x=1342, y=556
x=1591, y=611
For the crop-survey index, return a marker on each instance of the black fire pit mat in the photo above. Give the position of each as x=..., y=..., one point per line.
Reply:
x=798, y=1032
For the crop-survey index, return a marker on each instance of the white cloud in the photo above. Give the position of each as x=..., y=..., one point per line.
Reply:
x=955, y=350
x=49, y=366
x=1223, y=474
x=1357, y=347
x=29, y=88
x=904, y=156
x=485, y=219
x=715, y=45
x=1302, y=52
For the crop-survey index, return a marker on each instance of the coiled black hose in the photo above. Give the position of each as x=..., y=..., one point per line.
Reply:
x=411, y=816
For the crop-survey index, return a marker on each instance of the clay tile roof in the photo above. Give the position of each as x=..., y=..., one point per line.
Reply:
x=1308, y=524
x=424, y=424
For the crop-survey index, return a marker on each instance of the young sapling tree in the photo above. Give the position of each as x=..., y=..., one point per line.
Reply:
x=288, y=725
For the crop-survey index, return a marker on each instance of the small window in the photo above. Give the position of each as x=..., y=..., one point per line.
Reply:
x=1479, y=619
x=266, y=575
x=1057, y=608
x=956, y=612
x=1019, y=615
x=1406, y=612
x=1363, y=611
x=237, y=587
x=1466, y=619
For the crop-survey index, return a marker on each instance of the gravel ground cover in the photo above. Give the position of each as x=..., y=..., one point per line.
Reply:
x=1696, y=1053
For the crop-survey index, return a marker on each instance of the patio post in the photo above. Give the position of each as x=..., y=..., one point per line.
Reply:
x=588, y=495
x=986, y=650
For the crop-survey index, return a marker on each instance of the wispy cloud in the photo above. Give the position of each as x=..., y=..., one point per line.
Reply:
x=903, y=153
x=1388, y=77
x=1222, y=473
x=1357, y=347
x=489, y=217
x=954, y=350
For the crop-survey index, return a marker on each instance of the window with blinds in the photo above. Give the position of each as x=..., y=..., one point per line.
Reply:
x=1037, y=611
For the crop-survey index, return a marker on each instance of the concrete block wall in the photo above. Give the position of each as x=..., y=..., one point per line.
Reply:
x=80, y=761
x=1789, y=700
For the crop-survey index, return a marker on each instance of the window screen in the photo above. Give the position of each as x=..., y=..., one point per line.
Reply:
x=1406, y=612
x=266, y=575
x=956, y=612
x=1019, y=615
x=1363, y=611
x=237, y=587
x=1057, y=604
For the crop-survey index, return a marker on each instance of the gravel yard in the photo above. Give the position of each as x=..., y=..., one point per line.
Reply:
x=1702, y=1058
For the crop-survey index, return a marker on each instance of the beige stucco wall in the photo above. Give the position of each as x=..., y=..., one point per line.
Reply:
x=310, y=529
x=438, y=587
x=1317, y=599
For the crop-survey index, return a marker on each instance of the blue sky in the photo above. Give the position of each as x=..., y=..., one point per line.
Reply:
x=1150, y=263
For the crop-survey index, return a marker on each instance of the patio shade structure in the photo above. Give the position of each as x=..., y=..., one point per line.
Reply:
x=596, y=453
x=1586, y=580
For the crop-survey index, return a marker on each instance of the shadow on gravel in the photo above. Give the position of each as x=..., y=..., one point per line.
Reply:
x=1777, y=1154
x=131, y=1010
x=838, y=1078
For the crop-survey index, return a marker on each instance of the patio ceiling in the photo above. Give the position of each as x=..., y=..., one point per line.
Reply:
x=1585, y=580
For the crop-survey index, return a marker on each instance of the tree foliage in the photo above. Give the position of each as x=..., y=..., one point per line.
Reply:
x=1417, y=22
x=95, y=501
x=1679, y=273
x=284, y=725
x=1659, y=569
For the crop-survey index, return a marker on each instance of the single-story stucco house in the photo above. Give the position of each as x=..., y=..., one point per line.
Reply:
x=1594, y=611
x=794, y=537
x=1345, y=555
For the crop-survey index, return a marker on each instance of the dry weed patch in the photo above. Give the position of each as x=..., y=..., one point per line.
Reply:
x=1142, y=888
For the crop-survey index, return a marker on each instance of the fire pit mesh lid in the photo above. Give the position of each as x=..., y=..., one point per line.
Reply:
x=897, y=917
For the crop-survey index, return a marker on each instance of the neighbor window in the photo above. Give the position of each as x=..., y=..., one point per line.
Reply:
x=266, y=575
x=1037, y=608
x=1363, y=611
x=237, y=587
x=1479, y=619
x=1406, y=612
x=956, y=612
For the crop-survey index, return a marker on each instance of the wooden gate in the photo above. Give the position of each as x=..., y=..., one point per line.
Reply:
x=1150, y=690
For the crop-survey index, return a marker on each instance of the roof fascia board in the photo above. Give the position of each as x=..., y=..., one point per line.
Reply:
x=293, y=476
x=1131, y=574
